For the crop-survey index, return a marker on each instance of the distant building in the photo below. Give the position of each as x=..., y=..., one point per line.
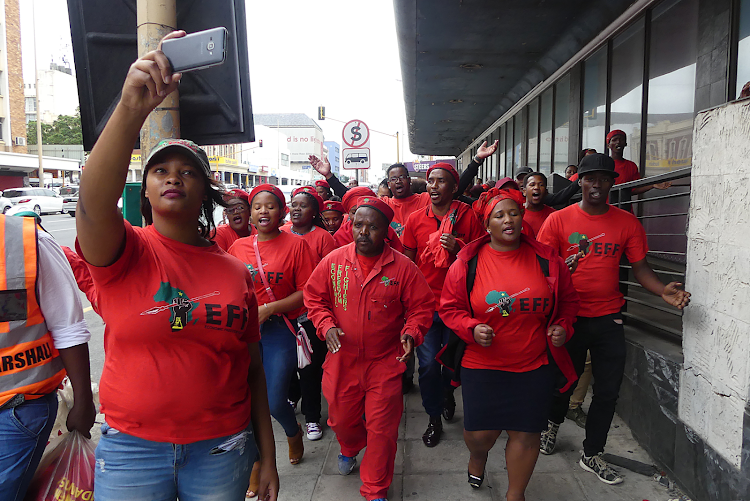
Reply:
x=58, y=93
x=12, y=122
x=303, y=135
x=334, y=156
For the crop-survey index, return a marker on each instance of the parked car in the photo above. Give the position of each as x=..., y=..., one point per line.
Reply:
x=69, y=195
x=40, y=200
x=5, y=204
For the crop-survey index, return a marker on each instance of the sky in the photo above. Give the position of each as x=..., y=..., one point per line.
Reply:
x=339, y=54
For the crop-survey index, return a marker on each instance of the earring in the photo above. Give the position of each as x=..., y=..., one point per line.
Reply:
x=488, y=230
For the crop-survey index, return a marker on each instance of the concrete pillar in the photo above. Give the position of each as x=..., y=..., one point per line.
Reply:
x=714, y=397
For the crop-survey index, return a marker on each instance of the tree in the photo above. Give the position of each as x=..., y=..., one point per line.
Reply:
x=65, y=129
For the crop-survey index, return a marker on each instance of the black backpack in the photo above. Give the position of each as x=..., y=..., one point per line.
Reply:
x=452, y=353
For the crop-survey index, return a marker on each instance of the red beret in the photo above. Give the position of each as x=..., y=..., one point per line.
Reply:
x=237, y=193
x=514, y=195
x=333, y=205
x=616, y=132
x=351, y=196
x=322, y=183
x=309, y=190
x=271, y=189
x=377, y=204
x=442, y=165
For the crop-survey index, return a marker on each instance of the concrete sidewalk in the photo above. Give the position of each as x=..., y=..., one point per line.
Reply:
x=439, y=473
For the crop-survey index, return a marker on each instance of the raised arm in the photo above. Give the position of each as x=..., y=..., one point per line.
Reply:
x=100, y=226
x=470, y=172
x=324, y=169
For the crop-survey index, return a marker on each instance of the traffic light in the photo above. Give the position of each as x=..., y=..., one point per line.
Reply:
x=260, y=143
x=321, y=112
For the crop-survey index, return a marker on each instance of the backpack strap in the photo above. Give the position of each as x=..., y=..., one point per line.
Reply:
x=471, y=274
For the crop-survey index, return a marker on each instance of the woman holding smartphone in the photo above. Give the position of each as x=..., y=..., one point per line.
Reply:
x=183, y=388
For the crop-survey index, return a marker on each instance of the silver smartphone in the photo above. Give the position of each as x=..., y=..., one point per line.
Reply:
x=196, y=51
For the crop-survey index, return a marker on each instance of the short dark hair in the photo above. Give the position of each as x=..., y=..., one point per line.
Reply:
x=532, y=174
x=395, y=166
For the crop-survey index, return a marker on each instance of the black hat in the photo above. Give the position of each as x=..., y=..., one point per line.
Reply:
x=523, y=170
x=596, y=162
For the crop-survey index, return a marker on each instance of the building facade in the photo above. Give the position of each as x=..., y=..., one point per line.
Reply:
x=303, y=135
x=333, y=150
x=58, y=93
x=548, y=88
x=12, y=113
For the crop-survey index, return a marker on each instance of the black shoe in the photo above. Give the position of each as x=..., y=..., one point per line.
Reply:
x=475, y=481
x=449, y=406
x=407, y=385
x=431, y=436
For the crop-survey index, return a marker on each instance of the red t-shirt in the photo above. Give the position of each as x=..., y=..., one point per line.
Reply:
x=178, y=321
x=417, y=230
x=403, y=207
x=627, y=170
x=598, y=274
x=226, y=236
x=287, y=260
x=367, y=263
x=320, y=241
x=535, y=219
x=511, y=295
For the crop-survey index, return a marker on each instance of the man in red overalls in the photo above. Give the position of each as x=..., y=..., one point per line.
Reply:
x=372, y=306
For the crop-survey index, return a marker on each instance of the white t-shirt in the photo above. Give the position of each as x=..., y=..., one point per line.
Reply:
x=58, y=295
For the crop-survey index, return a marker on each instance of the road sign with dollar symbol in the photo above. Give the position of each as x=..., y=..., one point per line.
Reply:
x=356, y=134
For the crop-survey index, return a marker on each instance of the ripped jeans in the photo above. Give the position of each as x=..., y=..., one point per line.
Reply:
x=130, y=468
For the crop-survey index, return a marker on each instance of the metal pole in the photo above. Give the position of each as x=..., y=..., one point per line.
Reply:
x=155, y=19
x=40, y=172
x=398, y=159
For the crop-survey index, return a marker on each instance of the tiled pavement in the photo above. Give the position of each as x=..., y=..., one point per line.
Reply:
x=439, y=473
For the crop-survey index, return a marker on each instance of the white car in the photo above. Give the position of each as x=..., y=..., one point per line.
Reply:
x=5, y=204
x=39, y=200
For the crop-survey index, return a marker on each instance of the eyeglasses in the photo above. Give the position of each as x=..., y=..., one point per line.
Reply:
x=239, y=209
x=399, y=178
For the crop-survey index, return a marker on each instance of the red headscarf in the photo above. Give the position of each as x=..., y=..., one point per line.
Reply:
x=309, y=190
x=514, y=195
x=350, y=197
x=484, y=198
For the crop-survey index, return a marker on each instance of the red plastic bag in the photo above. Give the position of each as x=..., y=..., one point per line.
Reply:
x=66, y=473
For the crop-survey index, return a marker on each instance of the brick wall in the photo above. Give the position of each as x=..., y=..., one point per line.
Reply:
x=15, y=74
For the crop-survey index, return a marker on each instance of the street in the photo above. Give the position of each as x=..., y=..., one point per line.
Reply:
x=63, y=228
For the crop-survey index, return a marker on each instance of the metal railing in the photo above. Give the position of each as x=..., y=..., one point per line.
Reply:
x=664, y=215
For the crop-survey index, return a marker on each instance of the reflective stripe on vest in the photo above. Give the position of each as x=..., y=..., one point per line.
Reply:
x=29, y=362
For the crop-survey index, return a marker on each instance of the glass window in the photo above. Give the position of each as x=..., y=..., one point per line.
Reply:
x=545, y=133
x=518, y=141
x=501, y=149
x=533, y=134
x=562, y=123
x=595, y=100
x=743, y=53
x=627, y=87
x=671, y=87
x=508, y=150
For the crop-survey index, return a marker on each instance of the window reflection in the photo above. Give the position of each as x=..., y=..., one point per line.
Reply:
x=743, y=54
x=533, y=133
x=671, y=92
x=562, y=126
x=627, y=87
x=594, y=100
x=545, y=134
x=501, y=150
x=518, y=133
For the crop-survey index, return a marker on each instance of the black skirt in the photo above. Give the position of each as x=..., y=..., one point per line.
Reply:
x=500, y=400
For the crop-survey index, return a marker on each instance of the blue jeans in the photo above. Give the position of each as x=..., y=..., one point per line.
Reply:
x=279, y=350
x=434, y=380
x=24, y=431
x=130, y=468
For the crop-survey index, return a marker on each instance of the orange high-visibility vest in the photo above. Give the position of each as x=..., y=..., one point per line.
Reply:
x=29, y=363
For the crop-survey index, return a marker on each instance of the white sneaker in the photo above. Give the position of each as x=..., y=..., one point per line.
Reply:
x=314, y=431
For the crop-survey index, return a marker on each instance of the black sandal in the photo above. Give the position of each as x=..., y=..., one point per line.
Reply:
x=475, y=481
